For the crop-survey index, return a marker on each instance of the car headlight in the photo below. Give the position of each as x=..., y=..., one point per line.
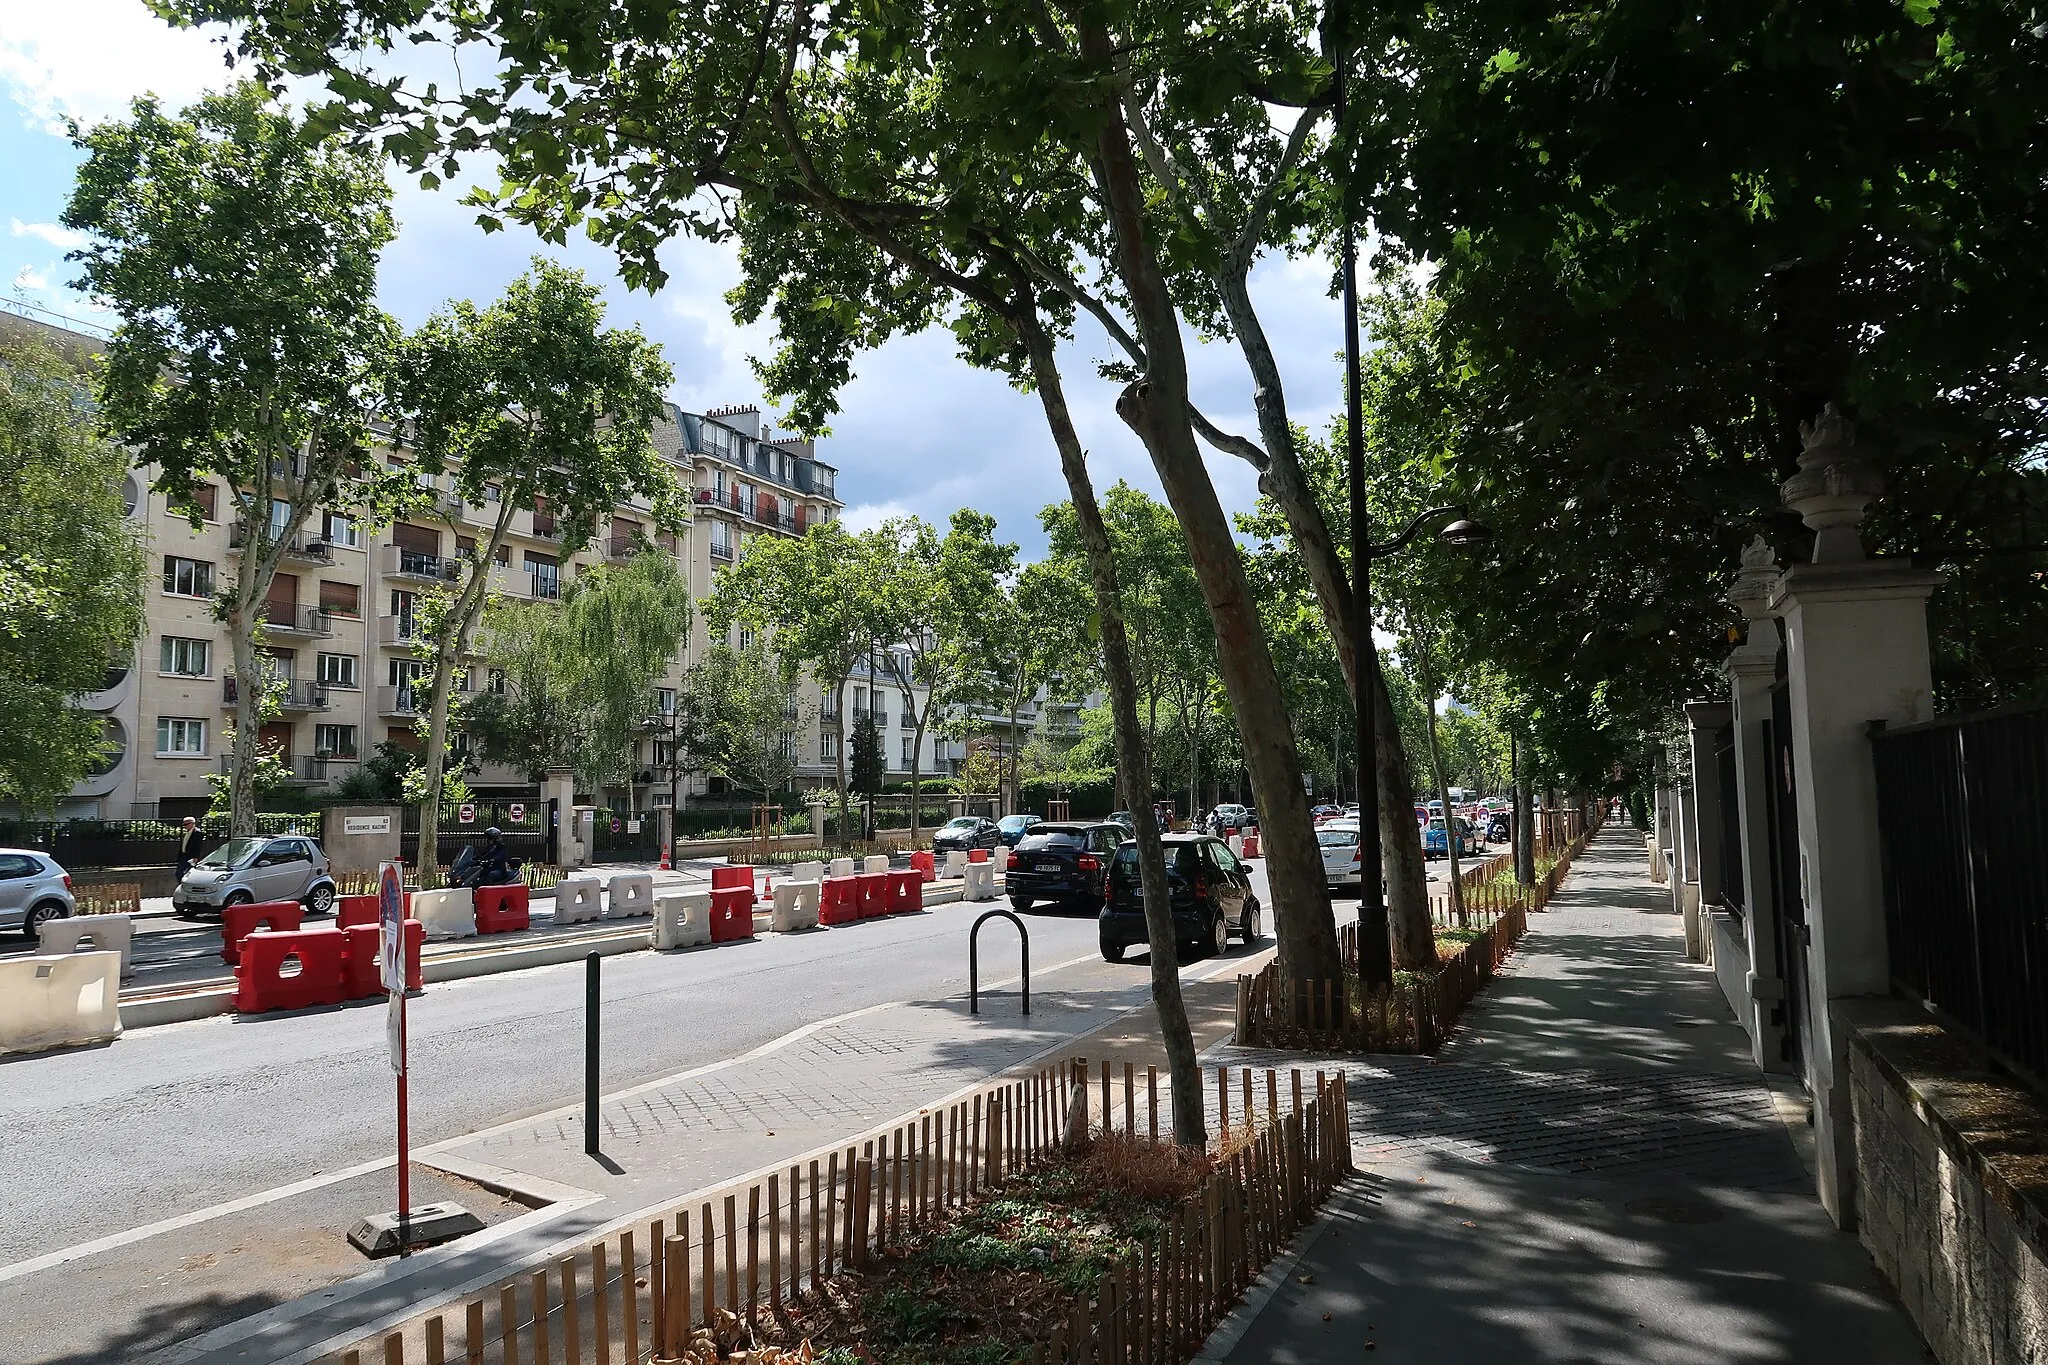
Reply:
x=221, y=878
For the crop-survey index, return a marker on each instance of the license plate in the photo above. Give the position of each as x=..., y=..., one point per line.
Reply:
x=1045, y=867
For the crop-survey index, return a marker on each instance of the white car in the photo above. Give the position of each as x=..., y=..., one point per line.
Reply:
x=1339, y=839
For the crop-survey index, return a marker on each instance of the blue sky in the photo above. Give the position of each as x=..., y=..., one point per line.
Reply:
x=919, y=431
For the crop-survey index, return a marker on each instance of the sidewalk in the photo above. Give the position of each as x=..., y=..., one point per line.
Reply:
x=1591, y=1171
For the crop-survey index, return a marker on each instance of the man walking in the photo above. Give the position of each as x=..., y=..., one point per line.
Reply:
x=189, y=847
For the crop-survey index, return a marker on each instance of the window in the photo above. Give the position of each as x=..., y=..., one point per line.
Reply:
x=496, y=684
x=547, y=575
x=338, y=670
x=504, y=555
x=186, y=657
x=908, y=749
x=721, y=540
x=403, y=604
x=204, y=498
x=280, y=517
x=746, y=637
x=15, y=866
x=341, y=599
x=334, y=741
x=828, y=747
x=828, y=704
x=188, y=577
x=177, y=737
x=665, y=700
x=406, y=672
x=341, y=530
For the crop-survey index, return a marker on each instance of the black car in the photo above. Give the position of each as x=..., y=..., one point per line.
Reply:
x=1063, y=862
x=1210, y=889
x=966, y=832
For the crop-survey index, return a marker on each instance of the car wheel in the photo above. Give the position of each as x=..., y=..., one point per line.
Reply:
x=321, y=901
x=1250, y=933
x=238, y=898
x=1219, y=936
x=1112, y=952
x=40, y=914
x=1020, y=904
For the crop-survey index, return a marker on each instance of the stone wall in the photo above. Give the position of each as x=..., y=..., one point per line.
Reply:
x=1728, y=955
x=1951, y=1187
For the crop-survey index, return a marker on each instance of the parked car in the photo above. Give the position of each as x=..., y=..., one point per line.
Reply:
x=1323, y=814
x=1123, y=817
x=1012, y=827
x=1341, y=862
x=1231, y=817
x=966, y=832
x=1208, y=886
x=1434, y=840
x=1065, y=863
x=33, y=889
x=288, y=867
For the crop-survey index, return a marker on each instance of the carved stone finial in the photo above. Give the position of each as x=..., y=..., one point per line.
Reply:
x=1751, y=592
x=1833, y=486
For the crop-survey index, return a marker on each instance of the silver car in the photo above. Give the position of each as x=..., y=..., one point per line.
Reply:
x=278, y=867
x=32, y=889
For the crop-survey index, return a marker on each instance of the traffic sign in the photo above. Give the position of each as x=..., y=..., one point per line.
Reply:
x=516, y=814
x=466, y=814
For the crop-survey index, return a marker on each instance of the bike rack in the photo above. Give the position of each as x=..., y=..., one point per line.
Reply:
x=974, y=959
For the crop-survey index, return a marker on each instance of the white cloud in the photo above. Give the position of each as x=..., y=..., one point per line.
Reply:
x=28, y=279
x=868, y=515
x=52, y=233
x=86, y=59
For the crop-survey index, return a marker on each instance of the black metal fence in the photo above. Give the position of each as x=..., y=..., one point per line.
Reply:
x=521, y=822
x=621, y=837
x=1963, y=823
x=90, y=845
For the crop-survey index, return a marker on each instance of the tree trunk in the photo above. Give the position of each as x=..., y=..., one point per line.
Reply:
x=1443, y=788
x=1134, y=761
x=1525, y=840
x=839, y=724
x=1156, y=408
x=1412, y=937
x=436, y=760
x=248, y=718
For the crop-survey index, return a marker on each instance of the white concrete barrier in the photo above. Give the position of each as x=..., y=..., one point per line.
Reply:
x=105, y=934
x=796, y=907
x=956, y=862
x=980, y=884
x=632, y=893
x=65, y=1001
x=1236, y=842
x=999, y=856
x=807, y=872
x=875, y=862
x=842, y=867
x=577, y=899
x=682, y=919
x=446, y=914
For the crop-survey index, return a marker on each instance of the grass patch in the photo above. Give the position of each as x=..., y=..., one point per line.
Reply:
x=991, y=1281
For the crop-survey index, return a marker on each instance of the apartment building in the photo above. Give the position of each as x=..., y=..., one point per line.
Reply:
x=341, y=623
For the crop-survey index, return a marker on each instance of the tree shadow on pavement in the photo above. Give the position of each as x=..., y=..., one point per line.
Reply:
x=157, y=1328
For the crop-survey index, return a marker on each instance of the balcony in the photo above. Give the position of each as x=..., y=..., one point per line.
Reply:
x=400, y=701
x=303, y=547
x=619, y=549
x=289, y=694
x=400, y=562
x=324, y=770
x=719, y=551
x=398, y=632
x=284, y=618
x=544, y=526
x=544, y=587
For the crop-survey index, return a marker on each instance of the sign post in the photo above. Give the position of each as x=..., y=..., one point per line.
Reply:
x=391, y=918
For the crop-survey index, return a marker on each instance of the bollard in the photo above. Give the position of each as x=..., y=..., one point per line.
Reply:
x=590, y=1002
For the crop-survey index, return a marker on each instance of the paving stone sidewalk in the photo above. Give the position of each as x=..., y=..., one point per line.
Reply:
x=1591, y=1171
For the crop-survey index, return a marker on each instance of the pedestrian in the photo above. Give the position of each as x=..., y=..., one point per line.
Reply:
x=189, y=847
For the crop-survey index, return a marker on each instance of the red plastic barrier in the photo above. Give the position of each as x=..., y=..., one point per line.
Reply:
x=352, y=910
x=1251, y=843
x=977, y=855
x=839, y=900
x=260, y=980
x=725, y=878
x=732, y=913
x=360, y=975
x=237, y=922
x=927, y=866
x=906, y=892
x=873, y=893
x=500, y=909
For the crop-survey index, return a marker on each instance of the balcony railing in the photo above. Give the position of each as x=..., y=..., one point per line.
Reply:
x=546, y=587
x=289, y=694
x=622, y=548
x=399, y=701
x=286, y=618
x=719, y=551
x=403, y=563
x=398, y=630
x=325, y=768
x=301, y=546
x=544, y=526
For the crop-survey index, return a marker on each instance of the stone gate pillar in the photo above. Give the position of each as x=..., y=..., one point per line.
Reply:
x=1752, y=669
x=1856, y=637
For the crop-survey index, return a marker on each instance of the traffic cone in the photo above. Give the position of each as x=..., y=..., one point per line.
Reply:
x=665, y=867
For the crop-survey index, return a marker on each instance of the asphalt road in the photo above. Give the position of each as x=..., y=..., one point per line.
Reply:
x=175, y=1119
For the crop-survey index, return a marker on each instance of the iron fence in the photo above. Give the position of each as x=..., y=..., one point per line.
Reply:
x=1963, y=822
x=522, y=823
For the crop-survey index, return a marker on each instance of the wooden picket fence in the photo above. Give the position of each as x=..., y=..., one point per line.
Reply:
x=1410, y=1015
x=635, y=1298
x=108, y=898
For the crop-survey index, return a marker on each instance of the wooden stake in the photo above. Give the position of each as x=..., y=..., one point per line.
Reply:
x=1272, y=1096
x=473, y=1332
x=1223, y=1099
x=672, y=1291
x=629, y=1293
x=1251, y=1113
x=831, y=1208
x=1105, y=1095
x=732, y=1255
x=508, y=1327
x=601, y=1305
x=394, y=1349
x=540, y=1318
x=796, y=1231
x=707, y=1238
x=1130, y=1098
x=814, y=1224
x=1152, y=1098
x=436, y=1346
x=775, y=1245
x=572, y=1324
x=657, y=1280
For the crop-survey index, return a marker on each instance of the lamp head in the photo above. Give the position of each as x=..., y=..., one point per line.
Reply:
x=1465, y=532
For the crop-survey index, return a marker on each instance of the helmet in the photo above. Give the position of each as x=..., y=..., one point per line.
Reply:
x=492, y=832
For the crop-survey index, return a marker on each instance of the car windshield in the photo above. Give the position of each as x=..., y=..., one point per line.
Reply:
x=1051, y=838
x=1437, y=824
x=962, y=822
x=234, y=853
x=1010, y=824
x=1336, y=838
